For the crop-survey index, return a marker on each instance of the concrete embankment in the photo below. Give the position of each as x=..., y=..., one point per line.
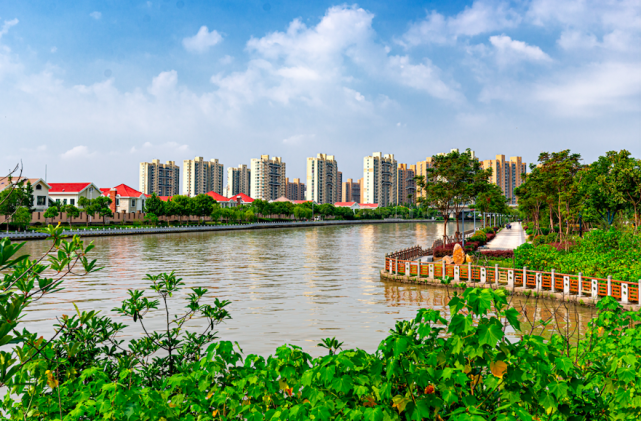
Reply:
x=100, y=232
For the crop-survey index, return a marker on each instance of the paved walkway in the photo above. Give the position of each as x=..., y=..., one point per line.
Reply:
x=508, y=239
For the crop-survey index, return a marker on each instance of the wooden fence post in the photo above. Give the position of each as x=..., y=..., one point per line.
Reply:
x=609, y=285
x=552, y=282
x=524, y=276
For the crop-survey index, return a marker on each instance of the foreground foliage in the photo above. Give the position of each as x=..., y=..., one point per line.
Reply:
x=459, y=367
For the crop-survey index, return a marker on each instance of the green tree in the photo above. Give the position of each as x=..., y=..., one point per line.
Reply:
x=559, y=172
x=51, y=212
x=154, y=205
x=249, y=215
x=216, y=212
x=627, y=173
x=71, y=211
x=227, y=214
x=201, y=205
x=22, y=217
x=599, y=185
x=453, y=182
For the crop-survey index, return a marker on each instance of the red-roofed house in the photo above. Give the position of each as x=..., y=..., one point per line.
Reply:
x=40, y=191
x=225, y=202
x=244, y=199
x=69, y=193
x=285, y=199
x=351, y=205
x=368, y=205
x=125, y=199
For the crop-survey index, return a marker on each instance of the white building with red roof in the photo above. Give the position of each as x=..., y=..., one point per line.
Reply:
x=368, y=206
x=70, y=193
x=125, y=199
x=40, y=191
x=225, y=202
x=241, y=199
x=352, y=205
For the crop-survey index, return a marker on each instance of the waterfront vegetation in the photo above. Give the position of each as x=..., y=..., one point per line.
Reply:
x=439, y=366
x=561, y=199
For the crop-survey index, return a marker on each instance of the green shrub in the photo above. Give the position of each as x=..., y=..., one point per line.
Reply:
x=599, y=254
x=460, y=368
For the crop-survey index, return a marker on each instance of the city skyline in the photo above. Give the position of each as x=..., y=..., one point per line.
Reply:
x=86, y=85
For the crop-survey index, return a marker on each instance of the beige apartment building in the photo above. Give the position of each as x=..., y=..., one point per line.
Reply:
x=351, y=191
x=506, y=174
x=201, y=177
x=162, y=179
x=238, y=181
x=295, y=189
x=268, y=178
x=322, y=179
x=379, y=179
x=406, y=188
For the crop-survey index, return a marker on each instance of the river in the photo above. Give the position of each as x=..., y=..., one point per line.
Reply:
x=289, y=285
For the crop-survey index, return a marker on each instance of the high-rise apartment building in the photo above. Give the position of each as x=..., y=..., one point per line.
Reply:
x=200, y=176
x=295, y=189
x=506, y=174
x=162, y=179
x=351, y=191
x=339, y=192
x=380, y=181
x=238, y=181
x=268, y=178
x=406, y=188
x=322, y=179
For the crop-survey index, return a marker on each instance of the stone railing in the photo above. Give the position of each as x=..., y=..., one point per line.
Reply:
x=539, y=281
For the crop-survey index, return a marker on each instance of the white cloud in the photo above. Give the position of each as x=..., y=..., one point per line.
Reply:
x=164, y=83
x=617, y=23
x=225, y=60
x=607, y=87
x=6, y=25
x=510, y=51
x=54, y=49
x=76, y=152
x=202, y=41
x=310, y=64
x=298, y=139
x=96, y=15
x=482, y=17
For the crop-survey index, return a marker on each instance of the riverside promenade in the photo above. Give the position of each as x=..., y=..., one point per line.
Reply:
x=508, y=239
x=128, y=230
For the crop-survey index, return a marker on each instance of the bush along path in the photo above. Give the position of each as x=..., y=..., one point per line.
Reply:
x=455, y=366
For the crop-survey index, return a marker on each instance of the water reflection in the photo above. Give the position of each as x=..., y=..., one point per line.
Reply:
x=286, y=285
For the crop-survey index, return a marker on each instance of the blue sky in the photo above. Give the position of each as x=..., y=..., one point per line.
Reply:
x=91, y=89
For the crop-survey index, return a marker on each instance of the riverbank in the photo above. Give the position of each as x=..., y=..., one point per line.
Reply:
x=581, y=300
x=101, y=232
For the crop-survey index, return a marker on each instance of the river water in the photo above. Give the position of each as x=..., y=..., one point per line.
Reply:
x=289, y=285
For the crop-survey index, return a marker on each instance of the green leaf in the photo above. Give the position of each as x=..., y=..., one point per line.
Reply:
x=490, y=334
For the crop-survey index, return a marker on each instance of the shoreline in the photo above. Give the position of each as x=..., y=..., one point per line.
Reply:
x=110, y=231
x=585, y=301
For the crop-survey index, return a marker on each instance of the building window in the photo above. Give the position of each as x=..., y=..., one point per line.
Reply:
x=72, y=202
x=133, y=203
x=38, y=187
x=41, y=200
x=64, y=201
x=117, y=202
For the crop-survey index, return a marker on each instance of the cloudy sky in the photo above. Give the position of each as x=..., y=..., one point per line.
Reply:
x=91, y=89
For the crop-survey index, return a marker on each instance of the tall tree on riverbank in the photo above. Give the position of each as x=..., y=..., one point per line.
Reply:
x=454, y=181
